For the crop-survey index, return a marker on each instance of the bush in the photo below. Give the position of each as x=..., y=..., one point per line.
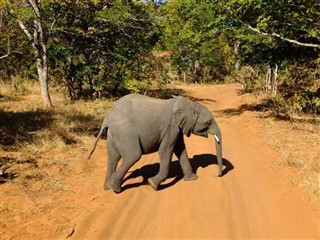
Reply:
x=250, y=80
x=298, y=91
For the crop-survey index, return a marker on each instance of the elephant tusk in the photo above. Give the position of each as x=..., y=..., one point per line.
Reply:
x=216, y=138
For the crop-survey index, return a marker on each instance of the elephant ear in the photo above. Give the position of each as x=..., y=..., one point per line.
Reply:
x=185, y=115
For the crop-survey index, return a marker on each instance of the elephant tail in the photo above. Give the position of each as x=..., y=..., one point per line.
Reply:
x=103, y=127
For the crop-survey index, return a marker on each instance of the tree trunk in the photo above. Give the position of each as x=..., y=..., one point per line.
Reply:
x=196, y=71
x=43, y=79
x=274, y=81
x=268, y=79
x=236, y=53
x=42, y=65
x=40, y=51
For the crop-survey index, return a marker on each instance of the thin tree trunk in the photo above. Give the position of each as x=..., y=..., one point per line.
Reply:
x=236, y=53
x=40, y=51
x=268, y=79
x=274, y=80
x=196, y=71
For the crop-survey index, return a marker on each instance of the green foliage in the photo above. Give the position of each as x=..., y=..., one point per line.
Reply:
x=193, y=34
x=280, y=32
x=99, y=44
x=92, y=45
x=294, y=20
x=136, y=86
x=13, y=45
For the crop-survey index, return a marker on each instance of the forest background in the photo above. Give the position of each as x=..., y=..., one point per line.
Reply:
x=100, y=49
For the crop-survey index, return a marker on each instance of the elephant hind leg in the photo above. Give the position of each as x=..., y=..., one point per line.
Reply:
x=113, y=159
x=115, y=181
x=131, y=155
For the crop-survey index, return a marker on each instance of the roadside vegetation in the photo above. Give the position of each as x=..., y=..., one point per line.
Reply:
x=29, y=131
x=62, y=63
x=297, y=142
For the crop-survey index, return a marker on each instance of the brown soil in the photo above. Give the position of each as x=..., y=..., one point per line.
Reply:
x=253, y=200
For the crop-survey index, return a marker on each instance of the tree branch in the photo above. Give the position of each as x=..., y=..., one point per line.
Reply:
x=35, y=7
x=8, y=50
x=281, y=37
x=53, y=23
x=25, y=30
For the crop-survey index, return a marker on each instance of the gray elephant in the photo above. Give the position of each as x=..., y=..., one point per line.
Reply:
x=138, y=125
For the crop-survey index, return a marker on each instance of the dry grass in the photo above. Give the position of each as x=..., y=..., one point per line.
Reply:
x=298, y=143
x=31, y=136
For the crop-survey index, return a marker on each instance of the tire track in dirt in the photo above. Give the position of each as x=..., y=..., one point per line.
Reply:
x=252, y=201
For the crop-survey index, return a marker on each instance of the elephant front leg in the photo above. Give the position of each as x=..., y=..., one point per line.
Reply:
x=181, y=153
x=189, y=175
x=165, y=159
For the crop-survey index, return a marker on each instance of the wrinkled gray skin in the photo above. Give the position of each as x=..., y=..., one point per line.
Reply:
x=138, y=125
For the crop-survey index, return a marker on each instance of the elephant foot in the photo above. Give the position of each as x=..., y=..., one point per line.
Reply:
x=152, y=184
x=190, y=177
x=114, y=185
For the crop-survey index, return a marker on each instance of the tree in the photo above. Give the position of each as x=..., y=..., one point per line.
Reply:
x=296, y=22
x=282, y=36
x=16, y=58
x=96, y=44
x=35, y=35
x=195, y=35
x=87, y=46
x=27, y=15
x=276, y=32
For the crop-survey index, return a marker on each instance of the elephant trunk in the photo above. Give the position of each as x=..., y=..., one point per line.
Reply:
x=215, y=131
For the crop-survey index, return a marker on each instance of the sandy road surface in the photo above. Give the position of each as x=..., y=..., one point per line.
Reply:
x=252, y=200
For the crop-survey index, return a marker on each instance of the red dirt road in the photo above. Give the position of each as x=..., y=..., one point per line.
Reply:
x=251, y=201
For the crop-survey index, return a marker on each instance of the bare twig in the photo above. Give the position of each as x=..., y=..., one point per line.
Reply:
x=8, y=50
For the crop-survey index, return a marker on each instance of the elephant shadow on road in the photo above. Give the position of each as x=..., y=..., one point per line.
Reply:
x=175, y=172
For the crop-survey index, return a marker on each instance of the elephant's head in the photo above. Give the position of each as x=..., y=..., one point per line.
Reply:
x=195, y=118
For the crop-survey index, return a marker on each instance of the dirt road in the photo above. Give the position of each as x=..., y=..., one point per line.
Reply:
x=252, y=200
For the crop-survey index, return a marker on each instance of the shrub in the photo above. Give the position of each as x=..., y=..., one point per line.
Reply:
x=299, y=91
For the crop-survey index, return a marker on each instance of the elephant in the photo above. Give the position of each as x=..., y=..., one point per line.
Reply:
x=138, y=125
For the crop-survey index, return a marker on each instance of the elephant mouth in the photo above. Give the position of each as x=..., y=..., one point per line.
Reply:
x=202, y=134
